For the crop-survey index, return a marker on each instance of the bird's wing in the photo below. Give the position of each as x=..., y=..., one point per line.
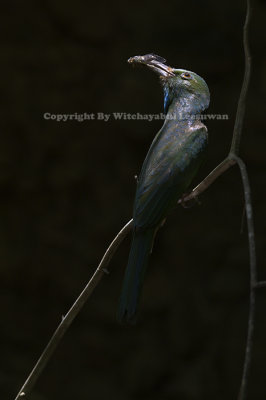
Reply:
x=167, y=171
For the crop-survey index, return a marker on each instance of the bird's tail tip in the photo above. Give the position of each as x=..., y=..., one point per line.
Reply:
x=134, y=276
x=124, y=317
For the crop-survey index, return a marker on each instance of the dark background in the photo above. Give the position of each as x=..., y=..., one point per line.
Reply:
x=67, y=188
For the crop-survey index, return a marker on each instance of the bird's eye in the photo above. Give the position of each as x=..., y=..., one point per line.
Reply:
x=186, y=75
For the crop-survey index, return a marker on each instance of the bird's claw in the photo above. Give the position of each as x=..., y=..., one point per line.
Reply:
x=188, y=203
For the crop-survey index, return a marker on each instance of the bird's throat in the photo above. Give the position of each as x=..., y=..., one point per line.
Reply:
x=182, y=104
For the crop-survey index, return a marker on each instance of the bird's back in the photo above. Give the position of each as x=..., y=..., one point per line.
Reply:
x=170, y=165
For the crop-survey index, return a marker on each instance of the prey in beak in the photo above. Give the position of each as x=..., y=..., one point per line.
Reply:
x=155, y=63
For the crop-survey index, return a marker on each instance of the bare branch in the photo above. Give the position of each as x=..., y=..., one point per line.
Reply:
x=203, y=185
x=234, y=151
x=241, y=108
x=253, y=279
x=73, y=312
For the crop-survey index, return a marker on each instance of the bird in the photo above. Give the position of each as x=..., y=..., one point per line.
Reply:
x=171, y=163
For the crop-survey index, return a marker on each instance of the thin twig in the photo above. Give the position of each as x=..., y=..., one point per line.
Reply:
x=253, y=279
x=203, y=185
x=234, y=151
x=241, y=107
x=73, y=312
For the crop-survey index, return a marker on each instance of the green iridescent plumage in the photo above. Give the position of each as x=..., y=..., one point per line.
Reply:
x=172, y=161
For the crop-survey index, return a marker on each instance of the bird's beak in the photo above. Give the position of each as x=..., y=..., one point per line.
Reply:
x=154, y=62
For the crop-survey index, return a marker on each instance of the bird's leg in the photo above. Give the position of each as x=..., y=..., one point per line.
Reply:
x=189, y=203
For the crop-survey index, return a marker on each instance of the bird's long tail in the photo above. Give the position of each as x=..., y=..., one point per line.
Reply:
x=141, y=247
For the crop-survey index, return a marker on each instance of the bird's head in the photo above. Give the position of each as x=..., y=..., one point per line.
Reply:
x=178, y=84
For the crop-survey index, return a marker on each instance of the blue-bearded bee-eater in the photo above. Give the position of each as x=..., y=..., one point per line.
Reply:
x=173, y=160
